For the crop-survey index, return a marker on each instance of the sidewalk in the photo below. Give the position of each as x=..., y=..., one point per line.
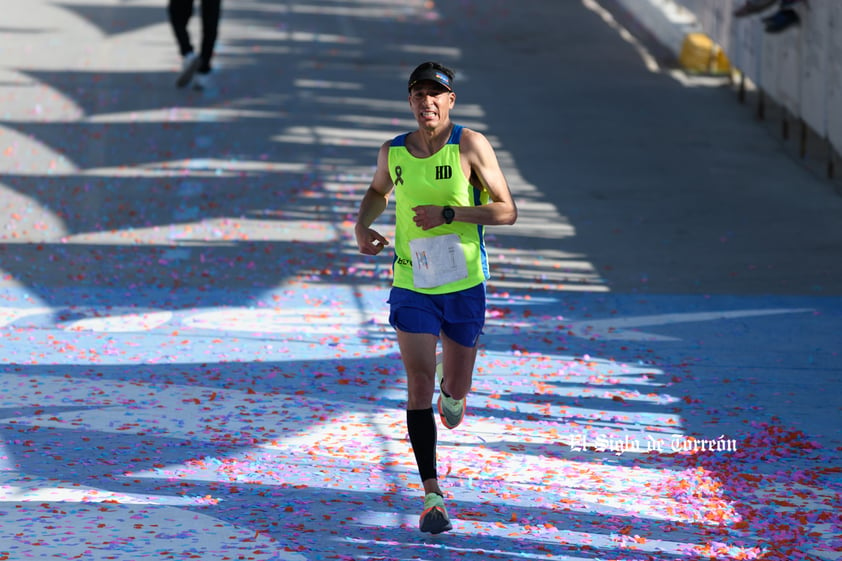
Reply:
x=196, y=363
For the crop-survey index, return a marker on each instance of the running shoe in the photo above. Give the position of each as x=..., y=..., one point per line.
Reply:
x=189, y=66
x=451, y=411
x=434, y=518
x=202, y=81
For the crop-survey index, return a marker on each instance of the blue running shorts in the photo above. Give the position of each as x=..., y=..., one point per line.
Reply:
x=459, y=315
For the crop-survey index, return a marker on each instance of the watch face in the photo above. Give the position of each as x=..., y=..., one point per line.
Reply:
x=448, y=214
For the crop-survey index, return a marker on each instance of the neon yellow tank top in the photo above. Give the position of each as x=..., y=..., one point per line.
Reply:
x=435, y=180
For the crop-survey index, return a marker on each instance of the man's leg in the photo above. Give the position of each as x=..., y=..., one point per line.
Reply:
x=180, y=12
x=210, y=25
x=464, y=317
x=418, y=352
x=417, y=322
x=458, y=363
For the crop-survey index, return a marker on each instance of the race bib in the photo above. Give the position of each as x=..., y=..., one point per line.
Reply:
x=437, y=261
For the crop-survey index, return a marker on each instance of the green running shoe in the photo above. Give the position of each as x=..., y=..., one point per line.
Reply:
x=434, y=518
x=451, y=411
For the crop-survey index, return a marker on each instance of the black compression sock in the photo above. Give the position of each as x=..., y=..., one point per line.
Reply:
x=421, y=425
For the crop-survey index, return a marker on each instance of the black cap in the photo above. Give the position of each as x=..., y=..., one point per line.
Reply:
x=434, y=72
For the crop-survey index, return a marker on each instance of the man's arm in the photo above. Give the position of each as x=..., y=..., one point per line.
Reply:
x=485, y=174
x=375, y=200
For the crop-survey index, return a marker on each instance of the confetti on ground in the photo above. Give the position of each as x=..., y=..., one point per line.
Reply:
x=225, y=429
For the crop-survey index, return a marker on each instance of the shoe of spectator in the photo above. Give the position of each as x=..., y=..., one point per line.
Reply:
x=781, y=20
x=202, y=81
x=189, y=66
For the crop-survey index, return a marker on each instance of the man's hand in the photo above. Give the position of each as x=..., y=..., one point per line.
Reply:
x=369, y=241
x=428, y=216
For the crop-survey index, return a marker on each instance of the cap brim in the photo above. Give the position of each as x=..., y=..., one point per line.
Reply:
x=431, y=75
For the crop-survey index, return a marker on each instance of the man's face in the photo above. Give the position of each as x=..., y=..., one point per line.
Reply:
x=431, y=103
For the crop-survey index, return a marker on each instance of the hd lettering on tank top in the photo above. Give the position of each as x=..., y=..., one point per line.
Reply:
x=449, y=257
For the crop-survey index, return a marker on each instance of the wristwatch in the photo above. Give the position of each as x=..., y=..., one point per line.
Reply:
x=448, y=213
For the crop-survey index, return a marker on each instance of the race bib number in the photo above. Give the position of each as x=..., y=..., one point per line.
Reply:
x=437, y=261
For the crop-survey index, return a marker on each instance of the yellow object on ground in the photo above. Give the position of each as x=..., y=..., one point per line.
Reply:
x=700, y=54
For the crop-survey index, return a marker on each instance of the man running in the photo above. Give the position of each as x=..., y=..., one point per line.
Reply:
x=447, y=186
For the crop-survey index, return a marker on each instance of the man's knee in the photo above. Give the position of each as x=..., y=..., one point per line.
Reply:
x=420, y=387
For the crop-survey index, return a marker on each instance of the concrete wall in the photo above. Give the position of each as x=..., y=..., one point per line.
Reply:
x=800, y=69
